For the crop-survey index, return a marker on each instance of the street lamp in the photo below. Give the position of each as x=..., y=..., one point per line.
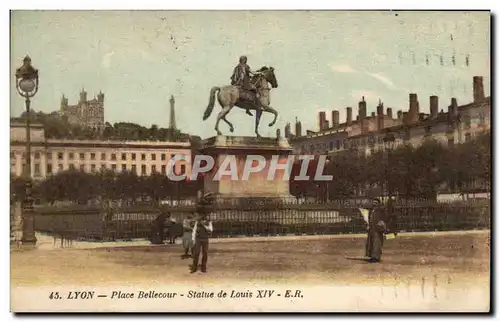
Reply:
x=388, y=147
x=27, y=87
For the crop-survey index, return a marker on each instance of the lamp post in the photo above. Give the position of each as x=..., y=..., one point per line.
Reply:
x=27, y=87
x=388, y=147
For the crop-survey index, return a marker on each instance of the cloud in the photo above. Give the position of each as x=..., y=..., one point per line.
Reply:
x=106, y=60
x=342, y=69
x=383, y=79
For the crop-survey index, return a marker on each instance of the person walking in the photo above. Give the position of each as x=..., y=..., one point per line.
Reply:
x=201, y=233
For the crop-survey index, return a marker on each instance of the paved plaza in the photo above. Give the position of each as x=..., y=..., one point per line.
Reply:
x=443, y=258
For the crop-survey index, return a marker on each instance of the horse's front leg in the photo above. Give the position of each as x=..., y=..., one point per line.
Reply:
x=271, y=110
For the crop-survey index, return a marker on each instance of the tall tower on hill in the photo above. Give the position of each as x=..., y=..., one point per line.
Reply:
x=172, y=125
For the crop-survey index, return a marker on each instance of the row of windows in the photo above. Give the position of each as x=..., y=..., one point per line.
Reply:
x=93, y=168
x=103, y=156
x=372, y=141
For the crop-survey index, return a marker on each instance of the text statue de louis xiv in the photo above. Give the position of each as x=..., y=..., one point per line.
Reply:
x=249, y=90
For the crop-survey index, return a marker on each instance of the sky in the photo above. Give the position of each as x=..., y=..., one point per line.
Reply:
x=323, y=60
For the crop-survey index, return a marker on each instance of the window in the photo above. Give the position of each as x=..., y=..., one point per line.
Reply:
x=113, y=167
x=113, y=156
x=92, y=156
x=143, y=157
x=71, y=155
x=163, y=169
x=451, y=142
x=60, y=155
x=82, y=167
x=49, y=156
x=72, y=166
x=103, y=156
x=143, y=169
x=468, y=137
x=124, y=167
x=92, y=167
x=37, y=155
x=103, y=166
x=49, y=168
x=163, y=157
x=153, y=156
x=133, y=156
x=153, y=168
x=60, y=167
x=183, y=170
x=82, y=156
x=37, y=169
x=12, y=155
x=331, y=145
x=338, y=145
x=134, y=168
x=124, y=156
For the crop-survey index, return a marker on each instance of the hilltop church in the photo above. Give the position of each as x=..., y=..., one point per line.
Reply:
x=87, y=113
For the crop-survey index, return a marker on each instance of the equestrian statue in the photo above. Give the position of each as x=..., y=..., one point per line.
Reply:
x=249, y=90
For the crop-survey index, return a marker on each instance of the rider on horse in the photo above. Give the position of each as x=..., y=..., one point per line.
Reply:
x=241, y=77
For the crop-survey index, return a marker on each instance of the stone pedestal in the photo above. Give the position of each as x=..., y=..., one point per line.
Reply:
x=239, y=148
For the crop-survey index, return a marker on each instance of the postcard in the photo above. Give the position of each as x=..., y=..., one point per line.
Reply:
x=250, y=161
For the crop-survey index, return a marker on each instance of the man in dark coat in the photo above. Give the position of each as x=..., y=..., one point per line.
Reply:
x=377, y=227
x=201, y=233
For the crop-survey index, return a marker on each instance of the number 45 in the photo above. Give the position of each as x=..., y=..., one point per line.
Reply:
x=54, y=295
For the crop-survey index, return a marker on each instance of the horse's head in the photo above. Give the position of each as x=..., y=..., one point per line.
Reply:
x=269, y=75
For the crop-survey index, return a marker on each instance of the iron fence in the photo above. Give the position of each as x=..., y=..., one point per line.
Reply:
x=260, y=218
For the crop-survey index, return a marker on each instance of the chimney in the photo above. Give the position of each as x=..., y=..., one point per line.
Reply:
x=362, y=113
x=322, y=120
x=478, y=88
x=400, y=115
x=453, y=108
x=380, y=116
x=434, y=105
x=389, y=113
x=326, y=125
x=335, y=118
x=413, y=111
x=298, y=128
x=373, y=114
x=288, y=132
x=348, y=120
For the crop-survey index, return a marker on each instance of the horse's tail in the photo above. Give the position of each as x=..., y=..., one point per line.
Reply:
x=211, y=103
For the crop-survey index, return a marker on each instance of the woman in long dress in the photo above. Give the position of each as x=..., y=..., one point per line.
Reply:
x=377, y=227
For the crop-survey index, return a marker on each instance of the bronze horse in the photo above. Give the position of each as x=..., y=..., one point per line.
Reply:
x=230, y=96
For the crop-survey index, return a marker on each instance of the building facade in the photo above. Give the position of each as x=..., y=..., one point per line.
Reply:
x=50, y=156
x=87, y=113
x=366, y=133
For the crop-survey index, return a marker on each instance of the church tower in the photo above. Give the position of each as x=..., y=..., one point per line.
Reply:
x=172, y=125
